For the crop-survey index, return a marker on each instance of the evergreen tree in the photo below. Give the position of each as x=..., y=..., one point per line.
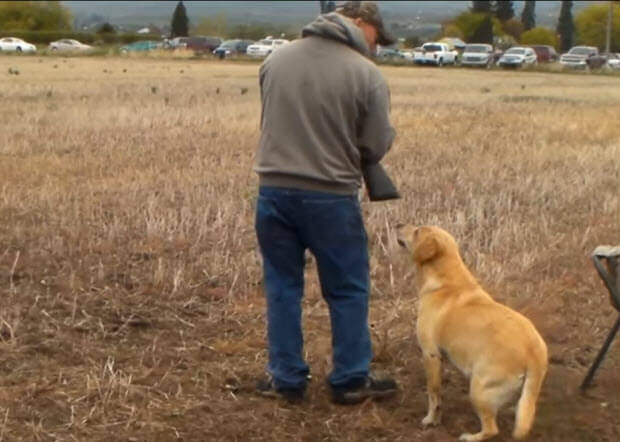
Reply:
x=483, y=6
x=566, y=26
x=484, y=33
x=180, y=22
x=528, y=17
x=504, y=10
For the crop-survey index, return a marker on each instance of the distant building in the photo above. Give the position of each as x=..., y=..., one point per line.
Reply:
x=150, y=29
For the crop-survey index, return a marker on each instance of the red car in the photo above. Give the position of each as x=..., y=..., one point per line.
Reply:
x=545, y=54
x=203, y=45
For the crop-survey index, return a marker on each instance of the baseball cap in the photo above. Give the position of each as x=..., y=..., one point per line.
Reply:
x=369, y=12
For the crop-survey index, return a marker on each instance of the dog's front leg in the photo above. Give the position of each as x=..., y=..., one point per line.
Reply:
x=432, y=367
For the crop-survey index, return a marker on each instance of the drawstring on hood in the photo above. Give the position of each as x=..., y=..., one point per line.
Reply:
x=336, y=27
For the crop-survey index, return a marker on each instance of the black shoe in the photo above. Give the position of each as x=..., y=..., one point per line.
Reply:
x=266, y=388
x=375, y=386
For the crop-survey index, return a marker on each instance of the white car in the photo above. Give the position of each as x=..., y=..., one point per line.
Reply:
x=518, y=57
x=436, y=54
x=16, y=44
x=68, y=44
x=477, y=55
x=613, y=61
x=265, y=47
x=407, y=54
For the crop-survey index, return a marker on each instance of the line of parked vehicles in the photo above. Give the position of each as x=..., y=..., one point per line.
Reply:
x=197, y=44
x=439, y=53
x=227, y=48
x=485, y=55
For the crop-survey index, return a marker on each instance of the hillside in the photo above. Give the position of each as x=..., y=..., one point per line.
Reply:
x=284, y=12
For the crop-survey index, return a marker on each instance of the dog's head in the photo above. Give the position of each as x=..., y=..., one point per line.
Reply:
x=426, y=243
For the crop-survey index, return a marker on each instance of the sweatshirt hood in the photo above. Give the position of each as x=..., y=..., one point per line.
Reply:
x=337, y=27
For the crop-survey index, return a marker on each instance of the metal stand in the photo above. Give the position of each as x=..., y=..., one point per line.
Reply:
x=599, y=357
x=611, y=278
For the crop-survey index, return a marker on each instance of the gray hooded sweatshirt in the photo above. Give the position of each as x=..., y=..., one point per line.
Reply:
x=325, y=110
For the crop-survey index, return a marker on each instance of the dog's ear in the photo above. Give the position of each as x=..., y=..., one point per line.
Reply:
x=427, y=248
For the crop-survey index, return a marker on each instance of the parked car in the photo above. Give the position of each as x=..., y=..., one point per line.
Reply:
x=598, y=61
x=477, y=55
x=408, y=54
x=578, y=56
x=545, y=54
x=436, y=54
x=613, y=61
x=389, y=54
x=265, y=47
x=176, y=43
x=203, y=45
x=16, y=44
x=231, y=48
x=141, y=46
x=67, y=44
x=517, y=57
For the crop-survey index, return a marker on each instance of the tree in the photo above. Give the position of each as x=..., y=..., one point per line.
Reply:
x=504, y=10
x=412, y=41
x=566, y=27
x=469, y=22
x=52, y=16
x=504, y=42
x=34, y=16
x=484, y=33
x=483, y=7
x=106, y=28
x=215, y=25
x=452, y=30
x=180, y=22
x=513, y=27
x=591, y=24
x=528, y=17
x=539, y=36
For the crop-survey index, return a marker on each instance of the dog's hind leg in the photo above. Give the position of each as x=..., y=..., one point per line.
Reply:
x=486, y=398
x=432, y=367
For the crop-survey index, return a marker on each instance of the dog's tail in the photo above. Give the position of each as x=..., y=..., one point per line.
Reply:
x=526, y=408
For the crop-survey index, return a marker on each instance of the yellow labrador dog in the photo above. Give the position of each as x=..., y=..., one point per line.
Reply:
x=496, y=347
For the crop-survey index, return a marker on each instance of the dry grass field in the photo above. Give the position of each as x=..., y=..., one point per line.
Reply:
x=131, y=306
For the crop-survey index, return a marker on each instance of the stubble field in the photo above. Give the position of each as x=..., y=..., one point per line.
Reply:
x=131, y=305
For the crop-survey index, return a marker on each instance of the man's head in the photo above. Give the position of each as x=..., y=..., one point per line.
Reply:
x=365, y=15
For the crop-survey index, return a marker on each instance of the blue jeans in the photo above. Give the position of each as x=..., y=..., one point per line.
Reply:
x=288, y=222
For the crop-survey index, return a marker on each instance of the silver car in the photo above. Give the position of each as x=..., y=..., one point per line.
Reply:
x=518, y=57
x=613, y=61
x=477, y=55
x=67, y=44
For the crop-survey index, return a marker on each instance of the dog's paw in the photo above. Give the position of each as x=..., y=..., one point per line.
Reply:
x=430, y=420
x=471, y=437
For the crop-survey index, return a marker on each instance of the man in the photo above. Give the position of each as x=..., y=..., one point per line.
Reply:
x=325, y=111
